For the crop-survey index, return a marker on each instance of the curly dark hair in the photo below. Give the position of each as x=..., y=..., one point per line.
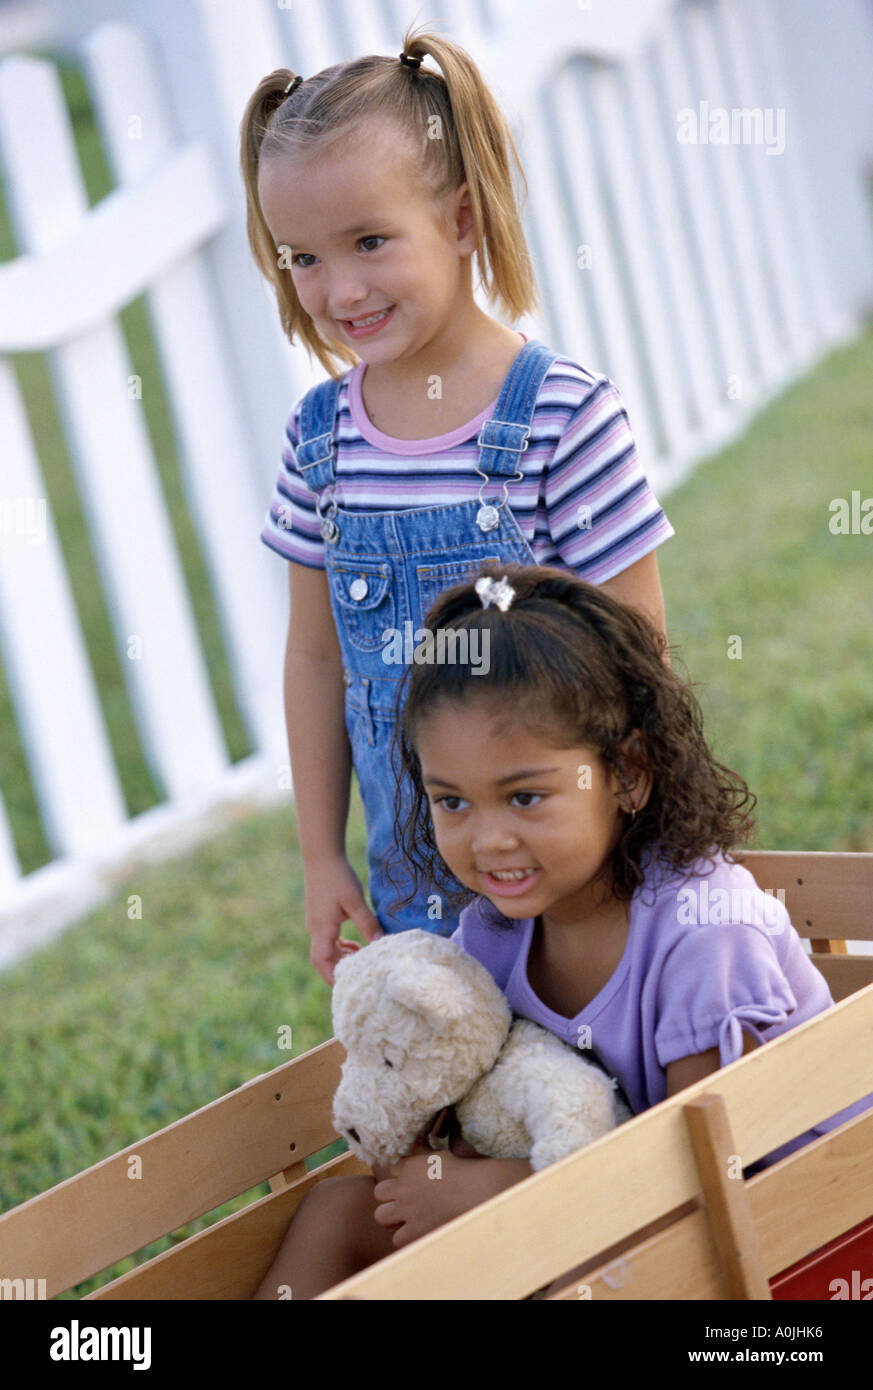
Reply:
x=575, y=666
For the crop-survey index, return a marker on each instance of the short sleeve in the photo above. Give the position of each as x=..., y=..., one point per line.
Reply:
x=291, y=526
x=600, y=509
x=479, y=932
x=714, y=981
x=461, y=934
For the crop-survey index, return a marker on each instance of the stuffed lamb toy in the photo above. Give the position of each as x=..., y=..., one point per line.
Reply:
x=425, y=1026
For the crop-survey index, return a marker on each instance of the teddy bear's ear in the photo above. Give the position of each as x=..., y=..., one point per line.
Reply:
x=437, y=993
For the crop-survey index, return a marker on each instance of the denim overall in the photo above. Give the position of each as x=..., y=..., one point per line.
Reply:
x=385, y=569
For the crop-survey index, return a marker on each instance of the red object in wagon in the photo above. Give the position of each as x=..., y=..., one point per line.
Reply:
x=842, y=1269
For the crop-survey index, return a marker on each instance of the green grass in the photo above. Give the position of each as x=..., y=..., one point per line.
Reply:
x=753, y=556
x=125, y=1024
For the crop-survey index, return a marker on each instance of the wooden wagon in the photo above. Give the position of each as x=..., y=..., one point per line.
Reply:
x=647, y=1212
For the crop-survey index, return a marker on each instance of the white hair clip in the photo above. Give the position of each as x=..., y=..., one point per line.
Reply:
x=496, y=591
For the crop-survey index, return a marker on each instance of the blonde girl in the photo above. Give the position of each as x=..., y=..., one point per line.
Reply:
x=442, y=438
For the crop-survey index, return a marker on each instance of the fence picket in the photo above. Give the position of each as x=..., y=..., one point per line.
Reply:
x=831, y=322
x=584, y=195
x=729, y=166
x=135, y=548
x=224, y=501
x=80, y=281
x=10, y=869
x=566, y=317
x=710, y=250
x=646, y=283
x=50, y=679
x=771, y=215
x=697, y=362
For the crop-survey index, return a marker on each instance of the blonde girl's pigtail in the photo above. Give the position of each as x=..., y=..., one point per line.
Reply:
x=272, y=92
x=487, y=151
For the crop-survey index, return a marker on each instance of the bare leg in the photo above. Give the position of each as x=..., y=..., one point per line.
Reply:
x=333, y=1235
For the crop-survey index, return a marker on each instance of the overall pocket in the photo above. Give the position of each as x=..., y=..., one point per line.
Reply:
x=433, y=580
x=364, y=601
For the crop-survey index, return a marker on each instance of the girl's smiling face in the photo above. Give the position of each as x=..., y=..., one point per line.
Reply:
x=363, y=237
x=525, y=824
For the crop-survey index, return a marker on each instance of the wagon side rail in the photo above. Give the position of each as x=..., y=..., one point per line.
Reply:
x=642, y=1175
x=599, y=1199
x=267, y=1127
x=830, y=1182
x=263, y=1129
x=829, y=898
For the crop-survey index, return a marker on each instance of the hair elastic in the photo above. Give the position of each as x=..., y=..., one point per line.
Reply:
x=496, y=591
x=292, y=86
x=410, y=62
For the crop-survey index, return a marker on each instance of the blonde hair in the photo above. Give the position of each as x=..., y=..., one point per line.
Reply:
x=474, y=148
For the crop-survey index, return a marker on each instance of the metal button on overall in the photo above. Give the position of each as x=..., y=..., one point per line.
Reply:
x=363, y=592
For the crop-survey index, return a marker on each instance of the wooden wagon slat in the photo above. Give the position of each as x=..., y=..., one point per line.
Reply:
x=191, y=1167
x=229, y=1260
x=635, y=1174
x=188, y=1168
x=680, y=1262
x=830, y=1181
x=827, y=894
x=845, y=974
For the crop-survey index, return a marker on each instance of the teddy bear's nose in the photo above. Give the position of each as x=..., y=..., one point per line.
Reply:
x=353, y=1134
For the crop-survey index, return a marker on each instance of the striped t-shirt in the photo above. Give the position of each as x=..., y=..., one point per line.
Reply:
x=583, y=503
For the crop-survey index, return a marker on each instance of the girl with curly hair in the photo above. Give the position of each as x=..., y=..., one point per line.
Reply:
x=561, y=775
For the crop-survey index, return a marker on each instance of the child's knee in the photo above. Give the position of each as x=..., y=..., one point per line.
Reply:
x=342, y=1212
x=349, y=1195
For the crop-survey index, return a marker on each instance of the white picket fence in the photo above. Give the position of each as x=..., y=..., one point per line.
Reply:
x=63, y=296
x=698, y=276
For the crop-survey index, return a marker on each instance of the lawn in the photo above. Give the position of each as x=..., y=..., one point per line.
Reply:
x=128, y=1022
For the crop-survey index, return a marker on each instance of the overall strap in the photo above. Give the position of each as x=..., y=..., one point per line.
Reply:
x=504, y=438
x=316, y=451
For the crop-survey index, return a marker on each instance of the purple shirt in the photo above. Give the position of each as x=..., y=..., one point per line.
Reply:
x=708, y=956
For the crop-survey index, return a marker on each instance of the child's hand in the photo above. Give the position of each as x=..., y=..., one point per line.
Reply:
x=333, y=895
x=428, y=1189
